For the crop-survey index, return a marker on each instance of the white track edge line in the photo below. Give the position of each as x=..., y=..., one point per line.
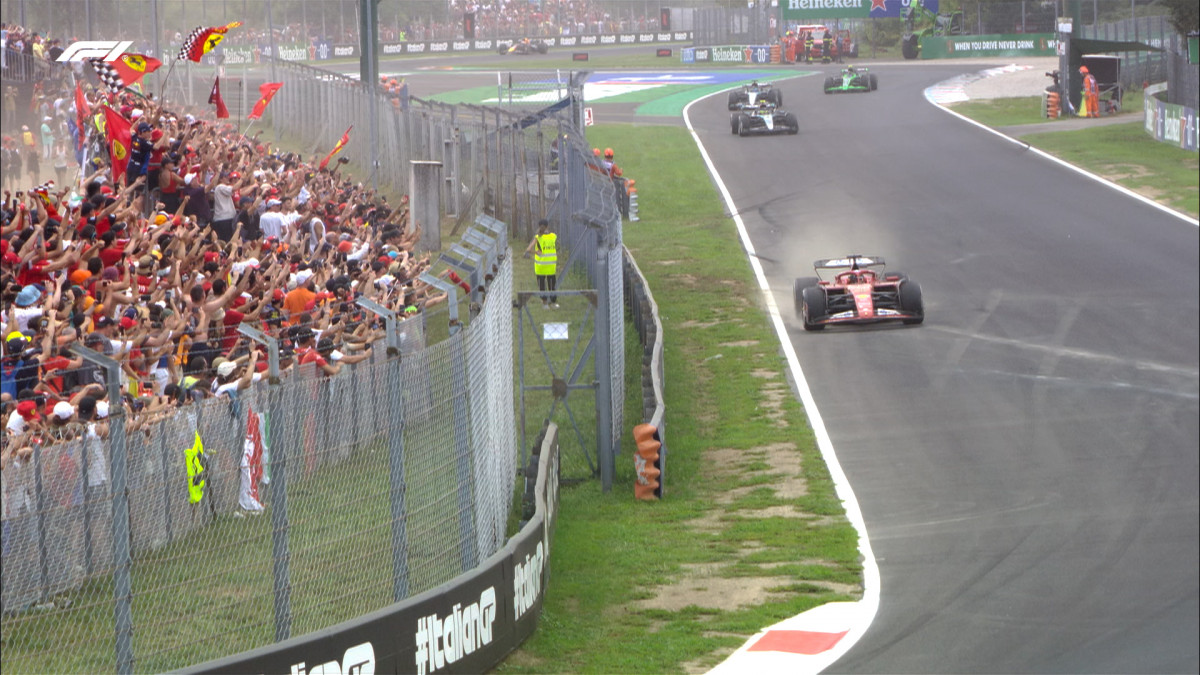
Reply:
x=1103, y=181
x=871, y=579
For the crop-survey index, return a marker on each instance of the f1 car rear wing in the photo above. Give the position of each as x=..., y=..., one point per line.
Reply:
x=849, y=262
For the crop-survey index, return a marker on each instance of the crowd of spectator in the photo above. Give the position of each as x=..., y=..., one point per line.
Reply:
x=207, y=229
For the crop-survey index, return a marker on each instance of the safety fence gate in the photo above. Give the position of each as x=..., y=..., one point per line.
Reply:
x=556, y=348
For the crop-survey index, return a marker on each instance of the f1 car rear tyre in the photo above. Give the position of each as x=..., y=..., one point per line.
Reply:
x=910, y=46
x=733, y=124
x=874, y=81
x=911, y=301
x=542, y=48
x=735, y=97
x=814, y=307
x=742, y=123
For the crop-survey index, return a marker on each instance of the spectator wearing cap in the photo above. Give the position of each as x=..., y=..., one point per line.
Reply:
x=229, y=381
x=139, y=154
x=271, y=221
x=27, y=415
x=27, y=307
x=247, y=219
x=297, y=299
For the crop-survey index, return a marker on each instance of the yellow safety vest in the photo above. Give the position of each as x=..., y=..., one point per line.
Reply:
x=545, y=258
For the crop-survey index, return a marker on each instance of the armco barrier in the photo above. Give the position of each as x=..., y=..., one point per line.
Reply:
x=646, y=320
x=467, y=625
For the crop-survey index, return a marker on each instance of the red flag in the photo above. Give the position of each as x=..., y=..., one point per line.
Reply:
x=119, y=141
x=203, y=40
x=253, y=449
x=133, y=67
x=82, y=111
x=337, y=148
x=215, y=97
x=267, y=91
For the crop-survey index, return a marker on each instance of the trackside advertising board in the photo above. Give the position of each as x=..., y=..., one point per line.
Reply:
x=808, y=11
x=464, y=626
x=1168, y=122
x=325, y=50
x=966, y=46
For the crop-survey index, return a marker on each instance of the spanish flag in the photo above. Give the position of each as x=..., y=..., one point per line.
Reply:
x=119, y=141
x=337, y=148
x=203, y=40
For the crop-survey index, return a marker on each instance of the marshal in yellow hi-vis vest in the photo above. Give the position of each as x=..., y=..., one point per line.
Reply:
x=545, y=254
x=197, y=472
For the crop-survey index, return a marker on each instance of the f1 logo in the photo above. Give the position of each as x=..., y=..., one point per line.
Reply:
x=105, y=50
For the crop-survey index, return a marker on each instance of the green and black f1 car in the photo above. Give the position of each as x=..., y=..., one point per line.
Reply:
x=852, y=80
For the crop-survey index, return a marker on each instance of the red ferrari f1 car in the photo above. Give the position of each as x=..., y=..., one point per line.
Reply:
x=859, y=292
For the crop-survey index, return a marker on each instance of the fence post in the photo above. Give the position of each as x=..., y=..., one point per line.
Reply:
x=603, y=361
x=395, y=404
x=281, y=570
x=122, y=581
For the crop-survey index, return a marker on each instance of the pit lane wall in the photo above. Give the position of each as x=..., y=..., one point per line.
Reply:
x=324, y=51
x=1170, y=123
x=467, y=625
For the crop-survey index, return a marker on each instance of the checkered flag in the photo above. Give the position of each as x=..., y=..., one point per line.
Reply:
x=109, y=76
x=185, y=52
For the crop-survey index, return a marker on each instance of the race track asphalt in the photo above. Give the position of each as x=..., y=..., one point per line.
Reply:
x=1026, y=460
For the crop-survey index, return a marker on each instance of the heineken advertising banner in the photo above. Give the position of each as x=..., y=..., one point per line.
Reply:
x=806, y=11
x=964, y=46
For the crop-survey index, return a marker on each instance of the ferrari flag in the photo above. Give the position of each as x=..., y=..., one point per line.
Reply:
x=266, y=92
x=119, y=140
x=203, y=40
x=215, y=98
x=126, y=71
x=337, y=148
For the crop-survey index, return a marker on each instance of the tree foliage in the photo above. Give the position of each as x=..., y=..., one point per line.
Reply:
x=1184, y=15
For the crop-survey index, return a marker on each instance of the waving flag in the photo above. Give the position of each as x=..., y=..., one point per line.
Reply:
x=119, y=141
x=266, y=91
x=203, y=40
x=133, y=67
x=337, y=148
x=43, y=192
x=215, y=97
x=82, y=110
x=254, y=448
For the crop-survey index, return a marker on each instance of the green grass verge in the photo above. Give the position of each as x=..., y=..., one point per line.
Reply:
x=1122, y=153
x=1020, y=110
x=1128, y=156
x=749, y=511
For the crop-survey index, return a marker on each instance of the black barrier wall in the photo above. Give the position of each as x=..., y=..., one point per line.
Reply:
x=467, y=625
